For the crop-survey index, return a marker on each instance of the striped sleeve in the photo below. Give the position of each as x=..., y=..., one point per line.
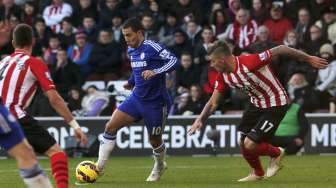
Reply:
x=169, y=59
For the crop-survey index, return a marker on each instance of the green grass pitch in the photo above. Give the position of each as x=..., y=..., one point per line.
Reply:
x=195, y=172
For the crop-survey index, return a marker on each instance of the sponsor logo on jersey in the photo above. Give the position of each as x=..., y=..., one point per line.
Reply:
x=136, y=64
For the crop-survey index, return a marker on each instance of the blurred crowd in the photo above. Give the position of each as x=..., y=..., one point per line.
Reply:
x=81, y=40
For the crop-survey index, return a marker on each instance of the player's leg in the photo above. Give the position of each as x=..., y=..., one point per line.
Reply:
x=257, y=140
x=30, y=171
x=126, y=114
x=155, y=118
x=44, y=143
x=249, y=119
x=13, y=141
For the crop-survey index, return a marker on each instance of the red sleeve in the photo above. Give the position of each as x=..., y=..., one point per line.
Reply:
x=220, y=84
x=256, y=61
x=41, y=72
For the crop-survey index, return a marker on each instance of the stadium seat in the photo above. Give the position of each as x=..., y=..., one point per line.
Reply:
x=99, y=84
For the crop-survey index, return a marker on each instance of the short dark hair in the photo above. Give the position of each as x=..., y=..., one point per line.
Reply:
x=23, y=35
x=134, y=24
x=38, y=20
x=220, y=47
x=67, y=19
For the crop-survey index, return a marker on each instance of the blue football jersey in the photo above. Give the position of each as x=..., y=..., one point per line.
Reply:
x=151, y=56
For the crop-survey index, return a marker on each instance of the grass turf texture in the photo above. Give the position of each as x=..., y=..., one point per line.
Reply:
x=195, y=172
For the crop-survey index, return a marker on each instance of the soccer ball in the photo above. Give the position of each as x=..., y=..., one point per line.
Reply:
x=86, y=172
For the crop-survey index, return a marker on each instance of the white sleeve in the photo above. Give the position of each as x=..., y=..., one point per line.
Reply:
x=331, y=78
x=57, y=18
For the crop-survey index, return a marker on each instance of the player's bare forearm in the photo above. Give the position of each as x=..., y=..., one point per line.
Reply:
x=208, y=109
x=290, y=52
x=58, y=104
x=210, y=106
x=315, y=61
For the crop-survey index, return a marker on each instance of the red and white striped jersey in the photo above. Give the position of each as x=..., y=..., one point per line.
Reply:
x=20, y=74
x=254, y=76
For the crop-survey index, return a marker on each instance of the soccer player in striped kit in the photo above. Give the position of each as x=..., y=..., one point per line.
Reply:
x=20, y=75
x=149, y=100
x=268, y=101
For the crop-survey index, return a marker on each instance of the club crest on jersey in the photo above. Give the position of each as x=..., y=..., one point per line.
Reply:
x=142, y=56
x=263, y=56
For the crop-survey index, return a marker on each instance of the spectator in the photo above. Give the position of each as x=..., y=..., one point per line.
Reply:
x=166, y=32
x=29, y=13
x=196, y=101
x=187, y=74
x=83, y=8
x=244, y=30
x=65, y=73
x=116, y=28
x=5, y=39
x=42, y=32
x=137, y=8
x=259, y=12
x=79, y=53
x=188, y=10
x=157, y=14
x=105, y=58
x=303, y=25
x=300, y=92
x=181, y=44
x=292, y=39
x=316, y=41
x=109, y=9
x=292, y=130
x=234, y=6
x=50, y=54
x=6, y=28
x=219, y=21
x=277, y=24
x=67, y=34
x=74, y=99
x=328, y=24
x=54, y=14
x=287, y=66
x=326, y=82
x=263, y=41
x=94, y=102
x=317, y=7
x=201, y=49
x=193, y=31
x=150, y=29
x=89, y=28
x=8, y=8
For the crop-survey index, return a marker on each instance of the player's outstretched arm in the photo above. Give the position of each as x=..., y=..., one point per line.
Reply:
x=315, y=61
x=57, y=102
x=208, y=109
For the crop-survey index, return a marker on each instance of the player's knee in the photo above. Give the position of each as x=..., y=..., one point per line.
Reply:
x=155, y=141
x=249, y=144
x=110, y=128
x=53, y=150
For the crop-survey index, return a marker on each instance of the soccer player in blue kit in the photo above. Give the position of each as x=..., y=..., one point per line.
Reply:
x=14, y=142
x=149, y=100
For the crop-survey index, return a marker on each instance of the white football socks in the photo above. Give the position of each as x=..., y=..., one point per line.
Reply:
x=107, y=143
x=35, y=177
x=159, y=154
